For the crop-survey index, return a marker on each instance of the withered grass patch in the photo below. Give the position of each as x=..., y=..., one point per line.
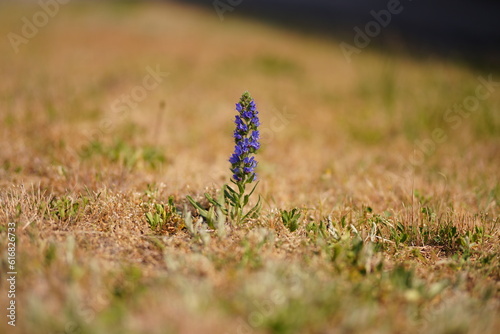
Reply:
x=99, y=196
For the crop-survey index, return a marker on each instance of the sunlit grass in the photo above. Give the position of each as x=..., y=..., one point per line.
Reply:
x=369, y=224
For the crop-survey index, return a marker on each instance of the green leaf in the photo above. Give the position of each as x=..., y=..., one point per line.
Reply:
x=229, y=189
x=211, y=217
x=241, y=188
x=245, y=199
x=149, y=218
x=253, y=212
x=212, y=200
x=203, y=212
x=253, y=189
x=233, y=201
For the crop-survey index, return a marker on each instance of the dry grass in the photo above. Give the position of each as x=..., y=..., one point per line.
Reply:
x=77, y=178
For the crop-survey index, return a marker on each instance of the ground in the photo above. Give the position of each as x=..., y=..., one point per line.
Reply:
x=111, y=114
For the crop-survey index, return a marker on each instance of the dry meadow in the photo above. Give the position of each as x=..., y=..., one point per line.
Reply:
x=111, y=114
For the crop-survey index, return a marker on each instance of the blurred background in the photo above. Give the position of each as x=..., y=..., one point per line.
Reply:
x=375, y=115
x=458, y=29
x=342, y=86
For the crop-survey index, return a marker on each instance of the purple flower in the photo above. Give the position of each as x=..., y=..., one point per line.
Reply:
x=255, y=121
x=234, y=159
x=247, y=114
x=246, y=137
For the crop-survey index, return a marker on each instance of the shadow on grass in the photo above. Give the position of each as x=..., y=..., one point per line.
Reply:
x=461, y=30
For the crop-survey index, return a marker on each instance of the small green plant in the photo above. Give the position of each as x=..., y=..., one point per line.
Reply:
x=156, y=219
x=413, y=288
x=164, y=217
x=350, y=253
x=65, y=208
x=326, y=229
x=215, y=214
x=314, y=228
x=195, y=228
x=291, y=218
x=398, y=233
x=443, y=234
